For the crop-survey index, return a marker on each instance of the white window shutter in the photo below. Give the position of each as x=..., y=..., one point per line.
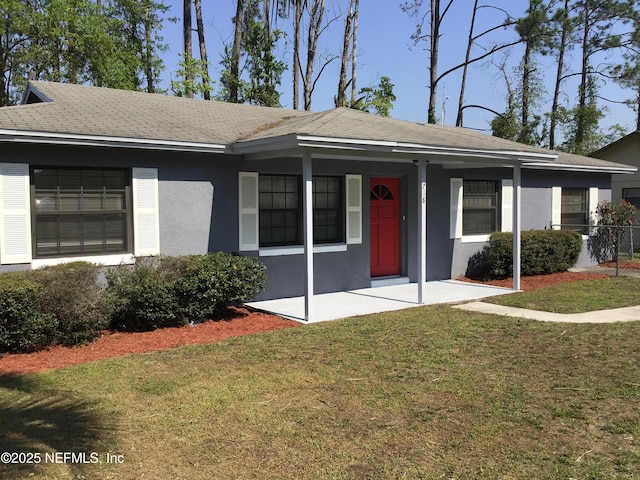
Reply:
x=593, y=205
x=507, y=205
x=354, y=208
x=456, y=208
x=15, y=214
x=556, y=207
x=146, y=215
x=248, y=211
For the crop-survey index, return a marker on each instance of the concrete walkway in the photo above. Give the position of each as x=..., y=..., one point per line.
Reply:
x=627, y=314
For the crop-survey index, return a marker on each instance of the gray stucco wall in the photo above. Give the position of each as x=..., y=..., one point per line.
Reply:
x=198, y=202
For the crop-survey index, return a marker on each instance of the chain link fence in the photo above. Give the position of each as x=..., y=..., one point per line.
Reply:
x=610, y=250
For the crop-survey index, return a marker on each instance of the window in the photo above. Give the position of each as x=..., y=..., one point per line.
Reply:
x=574, y=209
x=280, y=210
x=479, y=207
x=632, y=195
x=80, y=211
x=280, y=205
x=328, y=224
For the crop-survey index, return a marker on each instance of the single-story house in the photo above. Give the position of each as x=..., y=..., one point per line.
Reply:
x=329, y=201
x=625, y=150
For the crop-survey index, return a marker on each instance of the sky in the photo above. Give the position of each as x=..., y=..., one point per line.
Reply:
x=385, y=48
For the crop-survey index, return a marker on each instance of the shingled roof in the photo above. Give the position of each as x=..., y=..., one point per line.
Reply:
x=56, y=113
x=92, y=111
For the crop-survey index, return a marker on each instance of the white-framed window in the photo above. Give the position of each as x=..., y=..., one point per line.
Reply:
x=270, y=209
x=574, y=208
x=80, y=211
x=51, y=213
x=480, y=207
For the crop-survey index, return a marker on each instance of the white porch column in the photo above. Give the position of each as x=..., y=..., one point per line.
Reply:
x=517, y=224
x=307, y=209
x=422, y=229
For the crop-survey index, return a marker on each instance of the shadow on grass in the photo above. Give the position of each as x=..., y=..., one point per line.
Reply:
x=35, y=419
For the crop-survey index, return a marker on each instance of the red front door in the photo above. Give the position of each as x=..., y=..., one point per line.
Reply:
x=385, y=226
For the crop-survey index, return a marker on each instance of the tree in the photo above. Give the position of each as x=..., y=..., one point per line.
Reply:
x=378, y=100
x=561, y=23
x=187, y=56
x=341, y=98
x=471, y=41
x=14, y=45
x=187, y=83
x=109, y=43
x=534, y=32
x=255, y=60
x=627, y=73
x=316, y=16
x=597, y=35
x=436, y=15
x=265, y=71
x=203, y=49
x=232, y=79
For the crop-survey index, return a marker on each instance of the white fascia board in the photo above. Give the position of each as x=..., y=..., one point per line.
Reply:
x=519, y=156
x=287, y=142
x=580, y=168
x=107, y=141
x=324, y=142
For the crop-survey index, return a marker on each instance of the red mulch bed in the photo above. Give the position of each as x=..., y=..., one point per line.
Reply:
x=537, y=281
x=624, y=264
x=240, y=321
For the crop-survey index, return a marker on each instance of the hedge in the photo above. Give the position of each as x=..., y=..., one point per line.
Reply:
x=25, y=326
x=58, y=305
x=173, y=291
x=74, y=296
x=541, y=252
x=70, y=304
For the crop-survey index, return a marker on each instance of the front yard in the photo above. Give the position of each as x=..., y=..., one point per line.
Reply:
x=429, y=392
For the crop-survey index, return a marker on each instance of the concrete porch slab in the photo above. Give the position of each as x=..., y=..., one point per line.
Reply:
x=332, y=306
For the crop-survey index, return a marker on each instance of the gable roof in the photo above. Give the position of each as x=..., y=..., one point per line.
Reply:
x=77, y=114
x=633, y=136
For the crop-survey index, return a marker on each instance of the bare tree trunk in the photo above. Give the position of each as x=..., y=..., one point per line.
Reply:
x=582, y=88
x=299, y=5
x=315, y=24
x=433, y=59
x=235, y=53
x=559, y=73
x=203, y=50
x=341, y=98
x=148, y=54
x=188, y=47
x=434, y=42
x=354, y=51
x=463, y=82
x=526, y=80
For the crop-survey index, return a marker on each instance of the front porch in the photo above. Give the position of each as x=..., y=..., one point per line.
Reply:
x=333, y=306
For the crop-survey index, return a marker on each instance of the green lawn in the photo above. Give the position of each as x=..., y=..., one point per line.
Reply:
x=422, y=393
x=577, y=297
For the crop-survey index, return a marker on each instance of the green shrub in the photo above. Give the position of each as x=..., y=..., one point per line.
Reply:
x=541, y=252
x=173, y=291
x=24, y=324
x=142, y=296
x=213, y=281
x=75, y=297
